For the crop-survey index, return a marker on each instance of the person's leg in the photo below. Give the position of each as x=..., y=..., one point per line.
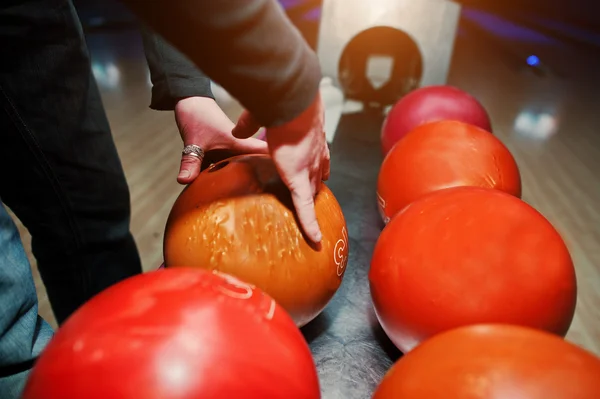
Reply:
x=23, y=334
x=59, y=168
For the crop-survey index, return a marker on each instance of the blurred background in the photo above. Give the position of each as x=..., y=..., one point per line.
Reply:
x=575, y=21
x=534, y=64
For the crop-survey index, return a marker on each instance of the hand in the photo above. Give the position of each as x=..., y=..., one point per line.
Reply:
x=202, y=122
x=300, y=153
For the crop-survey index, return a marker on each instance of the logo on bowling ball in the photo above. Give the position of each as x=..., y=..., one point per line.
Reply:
x=381, y=207
x=237, y=289
x=338, y=252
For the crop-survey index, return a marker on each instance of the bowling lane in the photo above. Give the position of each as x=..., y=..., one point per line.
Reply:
x=351, y=351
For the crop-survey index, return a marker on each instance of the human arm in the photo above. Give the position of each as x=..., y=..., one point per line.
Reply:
x=259, y=57
x=247, y=46
x=179, y=86
x=174, y=76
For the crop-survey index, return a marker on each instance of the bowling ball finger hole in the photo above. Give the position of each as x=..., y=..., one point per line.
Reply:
x=217, y=166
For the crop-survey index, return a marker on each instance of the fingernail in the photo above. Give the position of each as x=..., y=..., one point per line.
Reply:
x=184, y=174
x=318, y=237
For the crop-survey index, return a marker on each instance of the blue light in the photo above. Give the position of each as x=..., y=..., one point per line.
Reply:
x=533, y=60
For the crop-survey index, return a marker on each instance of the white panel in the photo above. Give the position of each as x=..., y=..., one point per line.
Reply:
x=432, y=25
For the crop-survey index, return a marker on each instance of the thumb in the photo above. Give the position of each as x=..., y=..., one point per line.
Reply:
x=246, y=126
x=189, y=168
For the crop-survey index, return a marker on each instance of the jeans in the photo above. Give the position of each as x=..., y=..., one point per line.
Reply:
x=59, y=172
x=24, y=333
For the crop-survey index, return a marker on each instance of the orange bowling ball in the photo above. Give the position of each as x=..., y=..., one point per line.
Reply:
x=493, y=362
x=237, y=217
x=177, y=334
x=440, y=155
x=469, y=255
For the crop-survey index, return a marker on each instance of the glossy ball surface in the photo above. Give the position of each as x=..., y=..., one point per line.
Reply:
x=176, y=334
x=469, y=255
x=441, y=155
x=431, y=104
x=493, y=362
x=237, y=217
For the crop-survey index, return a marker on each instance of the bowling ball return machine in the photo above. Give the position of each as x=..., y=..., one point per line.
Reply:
x=377, y=51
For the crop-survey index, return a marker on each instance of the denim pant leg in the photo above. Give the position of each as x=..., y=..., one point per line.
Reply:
x=23, y=334
x=59, y=168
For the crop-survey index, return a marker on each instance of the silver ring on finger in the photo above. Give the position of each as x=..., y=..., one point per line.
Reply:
x=193, y=150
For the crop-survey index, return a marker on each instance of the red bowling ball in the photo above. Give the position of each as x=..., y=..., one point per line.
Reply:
x=493, y=362
x=469, y=255
x=177, y=334
x=431, y=104
x=440, y=155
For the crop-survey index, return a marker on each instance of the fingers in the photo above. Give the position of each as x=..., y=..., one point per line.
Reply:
x=326, y=165
x=303, y=192
x=262, y=134
x=246, y=126
x=189, y=169
x=250, y=146
x=316, y=184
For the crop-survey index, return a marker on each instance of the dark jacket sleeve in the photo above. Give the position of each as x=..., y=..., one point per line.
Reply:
x=173, y=75
x=247, y=46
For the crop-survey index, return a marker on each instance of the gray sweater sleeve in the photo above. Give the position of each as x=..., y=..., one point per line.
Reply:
x=173, y=75
x=247, y=46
